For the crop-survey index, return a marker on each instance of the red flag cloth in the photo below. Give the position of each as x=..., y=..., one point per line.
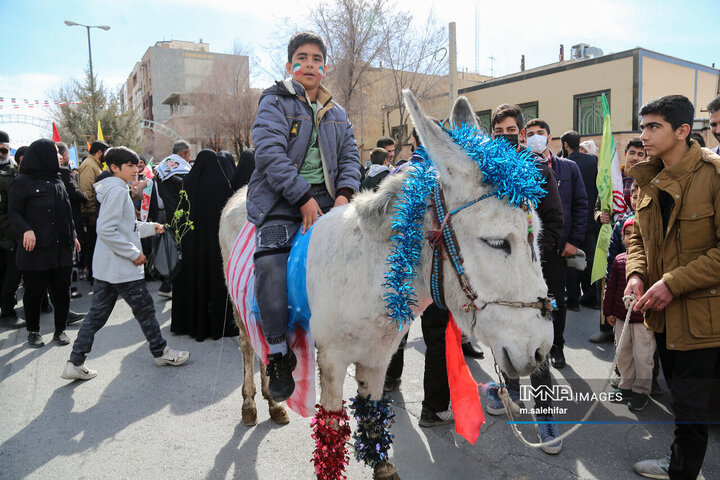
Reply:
x=56, y=134
x=464, y=396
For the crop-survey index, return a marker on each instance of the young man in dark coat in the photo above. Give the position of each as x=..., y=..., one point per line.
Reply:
x=575, y=210
x=588, y=165
x=507, y=122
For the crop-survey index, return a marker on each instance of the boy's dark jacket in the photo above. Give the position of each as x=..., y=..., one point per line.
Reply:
x=281, y=134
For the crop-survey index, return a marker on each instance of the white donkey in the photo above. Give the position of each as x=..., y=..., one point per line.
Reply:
x=346, y=268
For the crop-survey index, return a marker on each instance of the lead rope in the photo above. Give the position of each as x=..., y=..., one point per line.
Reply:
x=629, y=301
x=222, y=342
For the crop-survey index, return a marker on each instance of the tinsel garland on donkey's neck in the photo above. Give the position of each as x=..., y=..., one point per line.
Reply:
x=509, y=174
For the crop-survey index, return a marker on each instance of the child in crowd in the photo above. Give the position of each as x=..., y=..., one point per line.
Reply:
x=117, y=267
x=635, y=356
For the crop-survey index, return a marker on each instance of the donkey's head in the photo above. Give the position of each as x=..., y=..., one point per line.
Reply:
x=500, y=264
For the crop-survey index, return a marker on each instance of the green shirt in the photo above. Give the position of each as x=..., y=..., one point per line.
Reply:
x=312, y=167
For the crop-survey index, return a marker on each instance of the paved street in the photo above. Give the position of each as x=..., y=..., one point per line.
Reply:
x=136, y=420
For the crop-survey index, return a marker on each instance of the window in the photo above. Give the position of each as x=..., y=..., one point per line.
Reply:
x=483, y=118
x=588, y=114
x=529, y=111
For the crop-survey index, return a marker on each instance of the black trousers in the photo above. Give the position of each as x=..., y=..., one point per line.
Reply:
x=91, y=237
x=57, y=282
x=397, y=362
x=691, y=376
x=10, y=281
x=553, y=268
x=435, y=380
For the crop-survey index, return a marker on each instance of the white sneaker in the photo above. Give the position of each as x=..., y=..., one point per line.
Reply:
x=657, y=468
x=72, y=372
x=172, y=357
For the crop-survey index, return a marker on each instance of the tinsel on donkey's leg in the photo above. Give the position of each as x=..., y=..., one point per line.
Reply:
x=373, y=438
x=331, y=431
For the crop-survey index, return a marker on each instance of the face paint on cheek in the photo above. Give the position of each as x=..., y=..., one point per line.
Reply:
x=297, y=69
x=321, y=70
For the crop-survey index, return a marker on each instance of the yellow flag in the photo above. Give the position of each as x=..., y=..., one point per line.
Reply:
x=100, y=135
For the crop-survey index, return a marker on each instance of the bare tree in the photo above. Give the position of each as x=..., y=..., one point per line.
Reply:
x=356, y=33
x=416, y=60
x=224, y=107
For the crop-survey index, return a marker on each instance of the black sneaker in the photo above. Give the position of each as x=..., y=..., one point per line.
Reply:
x=35, y=340
x=61, y=338
x=10, y=319
x=469, y=350
x=74, y=317
x=391, y=383
x=279, y=370
x=574, y=306
x=430, y=419
x=557, y=357
x=638, y=402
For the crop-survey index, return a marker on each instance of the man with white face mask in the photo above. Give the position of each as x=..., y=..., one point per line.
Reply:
x=575, y=208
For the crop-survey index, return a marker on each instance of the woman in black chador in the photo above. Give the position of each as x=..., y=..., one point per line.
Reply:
x=40, y=213
x=201, y=306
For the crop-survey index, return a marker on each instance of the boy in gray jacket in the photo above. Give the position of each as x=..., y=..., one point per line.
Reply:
x=117, y=267
x=306, y=162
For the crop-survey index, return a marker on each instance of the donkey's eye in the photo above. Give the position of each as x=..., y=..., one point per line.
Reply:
x=498, y=244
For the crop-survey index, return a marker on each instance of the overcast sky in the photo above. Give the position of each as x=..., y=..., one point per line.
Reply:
x=40, y=51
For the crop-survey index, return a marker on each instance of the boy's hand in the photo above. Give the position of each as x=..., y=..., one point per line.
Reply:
x=140, y=260
x=29, y=240
x=310, y=212
x=340, y=200
x=635, y=287
x=77, y=245
x=611, y=319
x=604, y=218
x=159, y=228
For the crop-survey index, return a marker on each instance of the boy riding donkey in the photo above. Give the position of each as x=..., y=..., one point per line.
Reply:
x=306, y=163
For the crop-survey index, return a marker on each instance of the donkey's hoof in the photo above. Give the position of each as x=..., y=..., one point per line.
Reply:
x=385, y=471
x=279, y=415
x=249, y=416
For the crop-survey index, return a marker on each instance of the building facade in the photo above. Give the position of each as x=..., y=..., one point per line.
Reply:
x=567, y=94
x=170, y=67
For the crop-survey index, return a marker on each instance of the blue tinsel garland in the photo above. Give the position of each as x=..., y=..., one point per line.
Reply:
x=511, y=174
x=372, y=437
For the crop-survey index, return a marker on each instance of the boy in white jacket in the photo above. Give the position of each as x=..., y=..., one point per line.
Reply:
x=117, y=268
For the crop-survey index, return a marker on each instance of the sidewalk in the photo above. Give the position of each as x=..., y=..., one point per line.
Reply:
x=136, y=420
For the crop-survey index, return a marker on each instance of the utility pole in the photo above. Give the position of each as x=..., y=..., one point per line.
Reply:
x=453, y=93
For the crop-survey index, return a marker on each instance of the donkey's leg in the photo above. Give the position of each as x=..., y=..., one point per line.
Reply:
x=277, y=410
x=331, y=425
x=249, y=410
x=374, y=417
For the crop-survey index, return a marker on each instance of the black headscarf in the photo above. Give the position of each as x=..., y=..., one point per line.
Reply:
x=41, y=160
x=227, y=162
x=244, y=170
x=200, y=300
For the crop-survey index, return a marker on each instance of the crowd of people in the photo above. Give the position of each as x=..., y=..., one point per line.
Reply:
x=663, y=252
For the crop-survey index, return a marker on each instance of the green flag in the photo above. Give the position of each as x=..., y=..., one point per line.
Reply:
x=610, y=192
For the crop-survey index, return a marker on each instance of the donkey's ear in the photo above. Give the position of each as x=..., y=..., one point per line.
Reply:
x=451, y=161
x=462, y=113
